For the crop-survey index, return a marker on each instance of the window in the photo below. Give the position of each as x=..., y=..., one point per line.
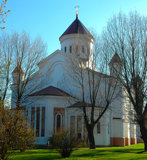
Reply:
x=79, y=127
x=72, y=124
x=79, y=136
x=43, y=122
x=98, y=128
x=70, y=49
x=32, y=117
x=85, y=131
x=65, y=49
x=37, y=121
x=58, y=122
x=83, y=50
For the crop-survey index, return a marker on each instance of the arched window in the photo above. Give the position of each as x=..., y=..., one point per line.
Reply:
x=58, y=121
x=70, y=49
x=98, y=128
x=65, y=49
x=83, y=50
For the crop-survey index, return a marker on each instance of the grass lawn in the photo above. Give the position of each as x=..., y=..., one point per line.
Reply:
x=133, y=152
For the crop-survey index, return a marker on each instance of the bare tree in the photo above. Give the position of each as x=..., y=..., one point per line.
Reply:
x=5, y=66
x=127, y=34
x=96, y=89
x=5, y=63
x=16, y=50
x=27, y=54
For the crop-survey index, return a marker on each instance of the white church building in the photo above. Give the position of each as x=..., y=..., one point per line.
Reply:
x=53, y=103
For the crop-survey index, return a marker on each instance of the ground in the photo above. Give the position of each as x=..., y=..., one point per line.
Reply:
x=133, y=152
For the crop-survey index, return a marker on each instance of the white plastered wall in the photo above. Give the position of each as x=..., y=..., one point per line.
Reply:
x=49, y=102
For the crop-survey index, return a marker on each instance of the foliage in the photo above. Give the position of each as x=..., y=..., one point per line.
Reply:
x=14, y=132
x=3, y=13
x=25, y=139
x=63, y=142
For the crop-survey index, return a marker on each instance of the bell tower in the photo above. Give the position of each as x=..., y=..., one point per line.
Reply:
x=18, y=74
x=77, y=40
x=115, y=66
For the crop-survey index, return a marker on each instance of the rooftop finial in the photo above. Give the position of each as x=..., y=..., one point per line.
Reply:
x=77, y=7
x=115, y=51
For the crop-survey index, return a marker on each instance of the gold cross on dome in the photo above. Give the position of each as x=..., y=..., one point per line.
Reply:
x=77, y=8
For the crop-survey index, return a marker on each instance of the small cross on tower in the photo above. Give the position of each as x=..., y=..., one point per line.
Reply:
x=77, y=8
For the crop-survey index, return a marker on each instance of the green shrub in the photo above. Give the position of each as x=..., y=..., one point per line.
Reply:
x=63, y=142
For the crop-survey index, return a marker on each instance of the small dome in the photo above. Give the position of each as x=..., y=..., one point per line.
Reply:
x=77, y=28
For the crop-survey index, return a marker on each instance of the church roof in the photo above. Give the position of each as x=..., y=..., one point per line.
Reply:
x=81, y=104
x=78, y=105
x=115, y=59
x=50, y=91
x=18, y=69
x=77, y=28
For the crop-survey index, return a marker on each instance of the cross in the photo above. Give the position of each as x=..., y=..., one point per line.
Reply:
x=77, y=7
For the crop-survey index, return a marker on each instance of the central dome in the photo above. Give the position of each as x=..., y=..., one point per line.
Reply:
x=77, y=28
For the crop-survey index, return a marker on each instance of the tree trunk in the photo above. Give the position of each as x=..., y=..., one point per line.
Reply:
x=145, y=145
x=18, y=103
x=91, y=137
x=3, y=151
x=143, y=131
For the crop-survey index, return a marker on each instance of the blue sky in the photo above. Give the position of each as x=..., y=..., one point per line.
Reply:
x=50, y=18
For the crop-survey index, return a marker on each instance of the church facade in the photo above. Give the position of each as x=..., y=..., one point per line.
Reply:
x=53, y=104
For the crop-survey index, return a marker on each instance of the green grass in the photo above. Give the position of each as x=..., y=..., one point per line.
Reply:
x=133, y=152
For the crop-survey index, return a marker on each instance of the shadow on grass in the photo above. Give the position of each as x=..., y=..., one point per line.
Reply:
x=126, y=150
x=37, y=151
x=91, y=154
x=132, y=152
x=115, y=150
x=39, y=154
x=108, y=155
x=142, y=152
